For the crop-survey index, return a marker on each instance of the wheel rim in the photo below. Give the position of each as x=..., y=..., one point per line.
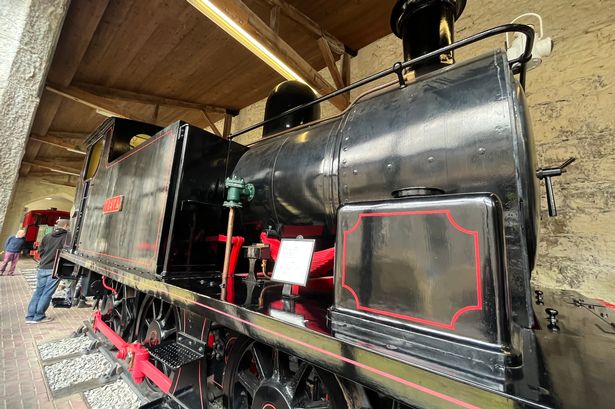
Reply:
x=157, y=323
x=261, y=377
x=119, y=312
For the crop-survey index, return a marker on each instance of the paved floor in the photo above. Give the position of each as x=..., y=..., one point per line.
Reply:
x=21, y=377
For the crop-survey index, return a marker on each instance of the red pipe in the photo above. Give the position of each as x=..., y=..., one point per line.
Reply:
x=138, y=356
x=108, y=287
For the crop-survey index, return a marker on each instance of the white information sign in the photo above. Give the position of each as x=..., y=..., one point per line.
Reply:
x=292, y=265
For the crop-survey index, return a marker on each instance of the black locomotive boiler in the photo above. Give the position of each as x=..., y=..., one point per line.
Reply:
x=422, y=202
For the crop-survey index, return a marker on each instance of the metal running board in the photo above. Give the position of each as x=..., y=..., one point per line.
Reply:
x=177, y=354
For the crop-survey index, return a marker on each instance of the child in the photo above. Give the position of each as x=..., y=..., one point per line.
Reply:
x=12, y=248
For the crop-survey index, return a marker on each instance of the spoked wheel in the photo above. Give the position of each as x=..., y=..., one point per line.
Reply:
x=119, y=311
x=261, y=377
x=157, y=322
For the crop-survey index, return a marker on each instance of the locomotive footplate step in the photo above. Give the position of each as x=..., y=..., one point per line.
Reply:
x=177, y=354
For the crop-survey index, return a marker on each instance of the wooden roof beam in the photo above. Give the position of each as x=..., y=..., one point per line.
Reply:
x=101, y=105
x=53, y=167
x=130, y=96
x=57, y=142
x=69, y=134
x=211, y=123
x=300, y=18
x=73, y=43
x=245, y=18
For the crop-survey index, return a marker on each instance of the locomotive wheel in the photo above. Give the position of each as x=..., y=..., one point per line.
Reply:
x=260, y=377
x=118, y=311
x=157, y=322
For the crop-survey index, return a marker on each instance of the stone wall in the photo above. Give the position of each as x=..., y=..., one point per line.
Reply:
x=571, y=97
x=30, y=29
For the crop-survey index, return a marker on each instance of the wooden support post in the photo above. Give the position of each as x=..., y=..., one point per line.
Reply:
x=211, y=123
x=325, y=50
x=346, y=78
x=228, y=119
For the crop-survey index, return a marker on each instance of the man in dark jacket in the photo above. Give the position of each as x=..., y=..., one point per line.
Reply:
x=45, y=283
x=12, y=248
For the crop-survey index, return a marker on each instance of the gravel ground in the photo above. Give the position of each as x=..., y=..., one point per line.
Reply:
x=66, y=346
x=73, y=371
x=116, y=395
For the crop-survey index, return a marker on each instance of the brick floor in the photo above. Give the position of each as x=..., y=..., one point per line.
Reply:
x=22, y=385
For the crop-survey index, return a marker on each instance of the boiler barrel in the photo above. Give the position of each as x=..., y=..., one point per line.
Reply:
x=461, y=129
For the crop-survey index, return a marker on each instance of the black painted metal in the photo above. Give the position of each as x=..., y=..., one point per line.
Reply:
x=425, y=26
x=566, y=370
x=171, y=190
x=285, y=96
x=432, y=269
x=460, y=130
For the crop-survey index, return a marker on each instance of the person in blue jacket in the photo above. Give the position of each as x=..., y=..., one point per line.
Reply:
x=12, y=248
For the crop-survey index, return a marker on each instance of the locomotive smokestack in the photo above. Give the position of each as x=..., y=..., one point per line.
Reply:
x=425, y=26
x=288, y=95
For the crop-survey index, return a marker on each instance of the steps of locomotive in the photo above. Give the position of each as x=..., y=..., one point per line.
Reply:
x=415, y=382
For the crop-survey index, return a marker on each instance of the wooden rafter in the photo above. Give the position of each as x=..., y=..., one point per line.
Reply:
x=73, y=44
x=57, y=142
x=211, y=123
x=53, y=167
x=227, y=126
x=102, y=105
x=259, y=30
x=274, y=19
x=68, y=134
x=300, y=18
x=330, y=61
x=130, y=96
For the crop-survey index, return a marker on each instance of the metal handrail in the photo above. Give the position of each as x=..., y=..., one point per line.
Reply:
x=517, y=65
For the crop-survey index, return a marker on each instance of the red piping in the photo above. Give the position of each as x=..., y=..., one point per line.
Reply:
x=140, y=367
x=108, y=287
x=458, y=313
x=350, y=361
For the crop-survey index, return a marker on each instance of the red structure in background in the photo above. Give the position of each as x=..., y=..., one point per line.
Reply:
x=33, y=219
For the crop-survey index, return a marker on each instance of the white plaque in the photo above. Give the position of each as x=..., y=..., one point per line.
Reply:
x=292, y=266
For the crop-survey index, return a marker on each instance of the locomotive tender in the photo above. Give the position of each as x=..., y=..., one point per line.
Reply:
x=422, y=199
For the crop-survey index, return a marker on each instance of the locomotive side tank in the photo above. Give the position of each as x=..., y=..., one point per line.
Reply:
x=463, y=129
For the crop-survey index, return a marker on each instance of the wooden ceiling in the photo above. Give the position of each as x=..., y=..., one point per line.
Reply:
x=162, y=60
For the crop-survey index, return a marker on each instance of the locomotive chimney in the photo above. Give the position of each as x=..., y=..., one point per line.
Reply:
x=425, y=26
x=285, y=96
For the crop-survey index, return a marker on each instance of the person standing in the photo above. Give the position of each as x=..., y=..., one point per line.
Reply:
x=45, y=283
x=12, y=248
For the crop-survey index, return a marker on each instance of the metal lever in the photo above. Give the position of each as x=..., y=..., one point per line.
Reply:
x=547, y=174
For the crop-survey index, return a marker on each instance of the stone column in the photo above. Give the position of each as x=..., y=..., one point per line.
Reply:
x=28, y=36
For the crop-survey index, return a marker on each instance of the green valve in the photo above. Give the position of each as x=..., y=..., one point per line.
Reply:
x=237, y=190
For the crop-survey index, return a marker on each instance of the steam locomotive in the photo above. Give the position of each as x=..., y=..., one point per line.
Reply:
x=419, y=205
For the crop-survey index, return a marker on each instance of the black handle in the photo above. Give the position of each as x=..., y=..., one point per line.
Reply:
x=547, y=174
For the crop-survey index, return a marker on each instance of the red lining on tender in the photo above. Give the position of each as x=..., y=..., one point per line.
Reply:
x=169, y=163
x=607, y=304
x=451, y=325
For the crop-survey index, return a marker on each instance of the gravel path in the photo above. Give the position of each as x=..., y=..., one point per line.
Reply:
x=116, y=395
x=66, y=346
x=73, y=371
